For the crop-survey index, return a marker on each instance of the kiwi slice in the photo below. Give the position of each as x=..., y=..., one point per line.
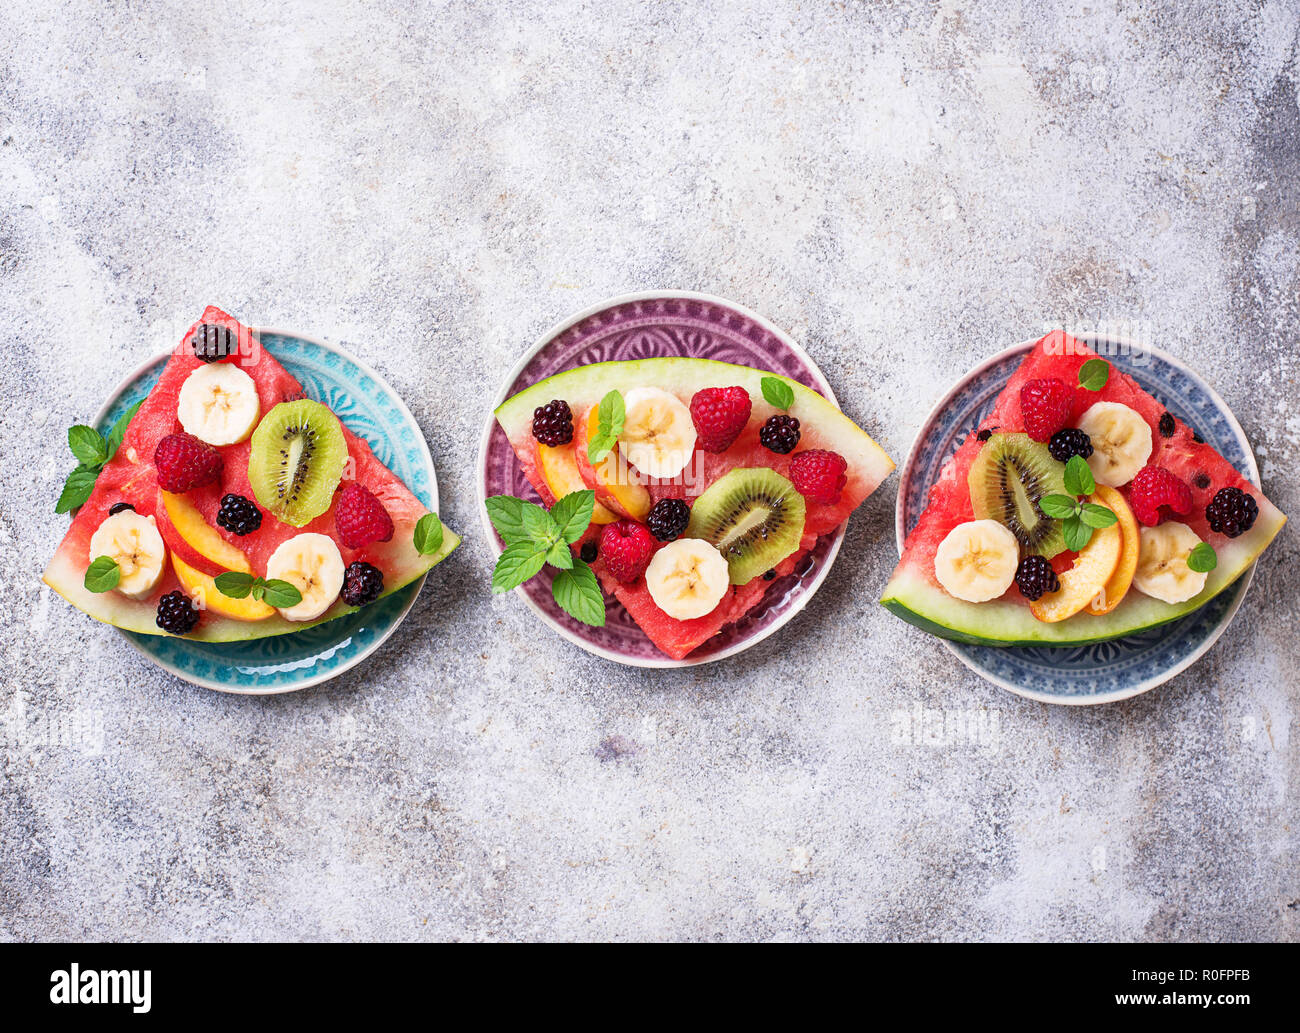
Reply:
x=296, y=461
x=1007, y=480
x=753, y=516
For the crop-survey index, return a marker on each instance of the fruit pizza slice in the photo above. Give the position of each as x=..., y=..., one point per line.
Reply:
x=231, y=506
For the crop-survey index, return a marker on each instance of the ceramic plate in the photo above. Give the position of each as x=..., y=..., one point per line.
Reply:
x=655, y=324
x=1101, y=672
x=282, y=663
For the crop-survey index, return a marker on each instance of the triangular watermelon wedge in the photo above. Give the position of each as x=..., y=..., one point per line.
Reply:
x=822, y=426
x=914, y=593
x=130, y=477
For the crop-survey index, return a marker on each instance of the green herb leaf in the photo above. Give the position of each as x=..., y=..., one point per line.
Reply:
x=103, y=574
x=539, y=525
x=611, y=416
x=572, y=514
x=1078, y=477
x=1096, y=516
x=76, y=489
x=505, y=512
x=1093, y=374
x=520, y=561
x=577, y=592
x=234, y=584
x=1203, y=558
x=87, y=445
x=560, y=555
x=1077, y=534
x=278, y=593
x=1059, y=507
x=118, y=431
x=428, y=534
x=777, y=392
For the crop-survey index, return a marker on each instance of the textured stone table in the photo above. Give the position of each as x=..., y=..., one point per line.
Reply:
x=904, y=190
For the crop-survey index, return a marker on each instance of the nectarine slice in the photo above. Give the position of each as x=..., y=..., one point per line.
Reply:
x=1115, y=589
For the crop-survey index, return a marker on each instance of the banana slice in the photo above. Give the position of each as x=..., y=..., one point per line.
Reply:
x=218, y=404
x=1162, y=570
x=977, y=561
x=133, y=542
x=312, y=564
x=658, y=435
x=687, y=578
x=1121, y=442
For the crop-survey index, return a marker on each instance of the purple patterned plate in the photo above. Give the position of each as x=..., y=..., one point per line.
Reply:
x=655, y=324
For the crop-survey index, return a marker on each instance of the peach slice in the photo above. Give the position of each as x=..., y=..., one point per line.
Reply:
x=1115, y=589
x=1092, y=569
x=560, y=472
x=198, y=585
x=612, y=479
x=200, y=544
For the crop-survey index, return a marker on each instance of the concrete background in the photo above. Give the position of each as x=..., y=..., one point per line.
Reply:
x=906, y=188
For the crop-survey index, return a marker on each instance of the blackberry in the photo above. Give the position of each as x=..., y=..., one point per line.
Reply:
x=553, y=423
x=780, y=434
x=1036, y=578
x=239, y=515
x=1070, y=442
x=588, y=552
x=985, y=434
x=211, y=342
x=1167, y=425
x=362, y=584
x=176, y=614
x=1232, y=512
x=118, y=507
x=668, y=519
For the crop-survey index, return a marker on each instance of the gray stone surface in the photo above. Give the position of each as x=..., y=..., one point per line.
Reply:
x=906, y=188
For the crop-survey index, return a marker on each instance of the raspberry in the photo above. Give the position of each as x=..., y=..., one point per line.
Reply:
x=819, y=475
x=176, y=614
x=1068, y=443
x=1232, y=512
x=719, y=415
x=239, y=515
x=553, y=423
x=184, y=462
x=780, y=434
x=1036, y=578
x=1045, y=407
x=212, y=342
x=626, y=548
x=1153, y=487
x=360, y=518
x=362, y=584
x=668, y=519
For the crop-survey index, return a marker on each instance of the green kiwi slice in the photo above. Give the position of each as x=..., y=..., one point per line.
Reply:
x=1008, y=478
x=753, y=516
x=296, y=461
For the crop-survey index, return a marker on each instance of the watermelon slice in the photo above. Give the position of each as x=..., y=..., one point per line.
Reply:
x=130, y=477
x=914, y=594
x=822, y=426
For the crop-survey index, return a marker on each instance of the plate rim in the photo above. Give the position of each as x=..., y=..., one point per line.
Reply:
x=1146, y=684
x=662, y=662
x=306, y=683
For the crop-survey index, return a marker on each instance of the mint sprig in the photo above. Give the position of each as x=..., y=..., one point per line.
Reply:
x=102, y=575
x=611, y=415
x=274, y=592
x=428, y=534
x=91, y=450
x=1079, y=517
x=1203, y=558
x=1093, y=374
x=535, y=538
x=777, y=392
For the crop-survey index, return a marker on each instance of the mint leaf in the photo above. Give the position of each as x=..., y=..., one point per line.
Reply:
x=77, y=488
x=572, y=514
x=1059, y=507
x=103, y=574
x=1093, y=374
x=520, y=561
x=118, y=431
x=611, y=416
x=777, y=392
x=560, y=555
x=234, y=584
x=87, y=445
x=505, y=512
x=428, y=534
x=1203, y=558
x=539, y=526
x=577, y=592
x=1078, y=477
x=1077, y=534
x=275, y=592
x=1096, y=516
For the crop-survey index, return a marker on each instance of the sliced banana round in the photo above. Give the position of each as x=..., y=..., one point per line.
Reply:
x=132, y=542
x=218, y=404
x=1121, y=442
x=658, y=434
x=687, y=578
x=312, y=564
x=977, y=561
x=1162, y=570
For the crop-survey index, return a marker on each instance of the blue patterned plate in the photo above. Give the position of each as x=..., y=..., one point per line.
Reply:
x=1102, y=672
x=283, y=663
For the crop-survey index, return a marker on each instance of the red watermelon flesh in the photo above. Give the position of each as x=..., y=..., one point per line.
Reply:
x=130, y=477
